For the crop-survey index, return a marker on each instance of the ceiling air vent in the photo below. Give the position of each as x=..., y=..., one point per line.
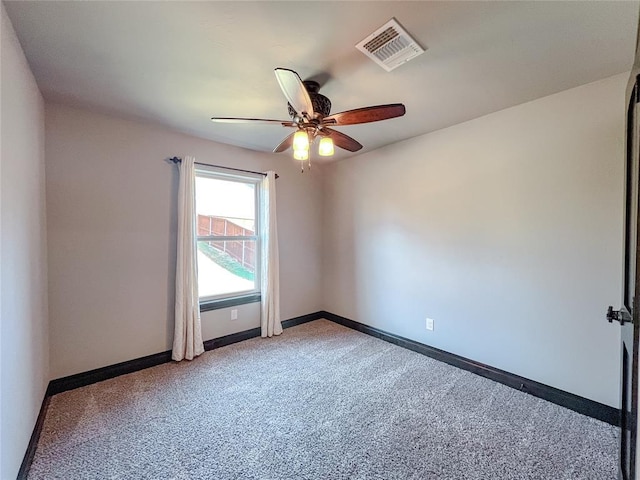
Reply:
x=390, y=46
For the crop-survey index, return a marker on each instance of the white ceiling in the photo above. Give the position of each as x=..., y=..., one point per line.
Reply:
x=179, y=63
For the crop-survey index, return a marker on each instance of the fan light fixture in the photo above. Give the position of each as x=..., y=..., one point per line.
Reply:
x=325, y=149
x=302, y=144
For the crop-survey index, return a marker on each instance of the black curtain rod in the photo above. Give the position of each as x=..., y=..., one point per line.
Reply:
x=179, y=160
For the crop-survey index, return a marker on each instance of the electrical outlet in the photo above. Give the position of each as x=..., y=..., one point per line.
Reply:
x=429, y=323
x=234, y=314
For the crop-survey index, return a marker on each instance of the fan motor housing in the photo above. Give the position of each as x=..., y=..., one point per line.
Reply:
x=321, y=104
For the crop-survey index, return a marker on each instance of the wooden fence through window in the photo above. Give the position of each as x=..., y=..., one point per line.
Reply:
x=243, y=251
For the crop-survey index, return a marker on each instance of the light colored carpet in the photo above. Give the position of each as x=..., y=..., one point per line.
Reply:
x=320, y=402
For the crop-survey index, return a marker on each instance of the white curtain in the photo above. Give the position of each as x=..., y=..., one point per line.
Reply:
x=187, y=339
x=270, y=270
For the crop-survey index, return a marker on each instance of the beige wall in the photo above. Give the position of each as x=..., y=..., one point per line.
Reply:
x=24, y=351
x=506, y=230
x=111, y=206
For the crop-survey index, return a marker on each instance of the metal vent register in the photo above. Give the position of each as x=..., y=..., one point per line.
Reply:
x=390, y=46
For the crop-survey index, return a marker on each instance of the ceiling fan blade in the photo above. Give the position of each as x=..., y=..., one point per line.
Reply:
x=343, y=141
x=365, y=115
x=284, y=123
x=285, y=144
x=295, y=91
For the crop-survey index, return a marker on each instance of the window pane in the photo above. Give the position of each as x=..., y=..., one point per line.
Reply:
x=225, y=207
x=226, y=267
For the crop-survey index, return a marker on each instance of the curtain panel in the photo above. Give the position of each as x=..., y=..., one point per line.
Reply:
x=270, y=267
x=187, y=339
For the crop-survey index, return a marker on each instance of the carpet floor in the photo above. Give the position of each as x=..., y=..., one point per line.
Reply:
x=319, y=402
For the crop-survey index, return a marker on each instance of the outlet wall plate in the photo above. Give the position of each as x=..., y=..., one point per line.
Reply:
x=429, y=323
x=234, y=314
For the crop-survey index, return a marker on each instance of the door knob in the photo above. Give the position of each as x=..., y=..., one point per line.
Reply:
x=616, y=315
x=613, y=314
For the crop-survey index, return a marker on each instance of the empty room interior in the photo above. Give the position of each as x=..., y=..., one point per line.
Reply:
x=318, y=240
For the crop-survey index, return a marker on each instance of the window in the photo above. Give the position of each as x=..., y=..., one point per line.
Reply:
x=227, y=207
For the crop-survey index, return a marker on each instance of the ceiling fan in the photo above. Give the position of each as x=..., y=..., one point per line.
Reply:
x=311, y=118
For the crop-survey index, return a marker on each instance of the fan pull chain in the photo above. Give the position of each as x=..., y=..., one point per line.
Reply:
x=308, y=165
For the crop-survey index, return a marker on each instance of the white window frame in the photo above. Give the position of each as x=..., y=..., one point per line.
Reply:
x=244, y=296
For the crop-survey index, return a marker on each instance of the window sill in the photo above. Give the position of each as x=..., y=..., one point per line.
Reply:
x=229, y=302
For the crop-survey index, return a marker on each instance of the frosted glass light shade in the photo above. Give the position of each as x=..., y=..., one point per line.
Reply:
x=325, y=149
x=301, y=154
x=301, y=141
